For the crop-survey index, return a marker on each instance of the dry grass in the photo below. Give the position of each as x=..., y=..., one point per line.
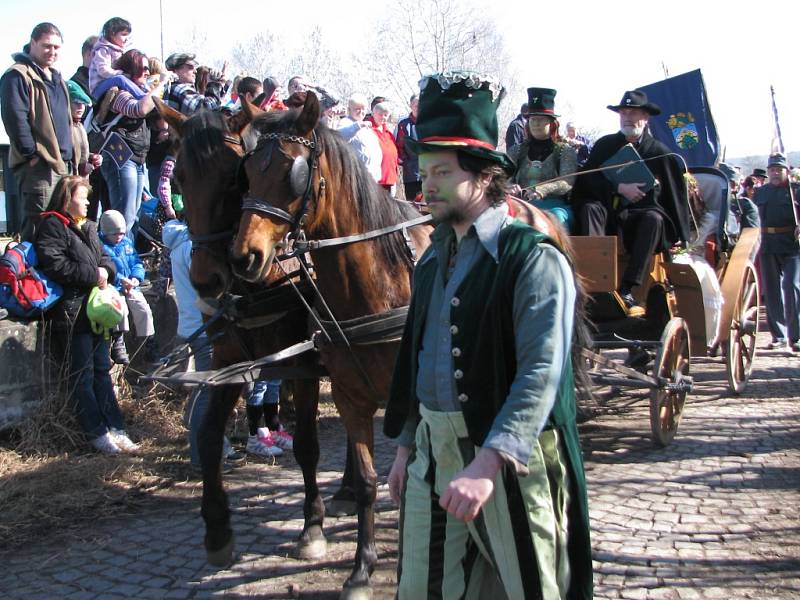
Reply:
x=50, y=480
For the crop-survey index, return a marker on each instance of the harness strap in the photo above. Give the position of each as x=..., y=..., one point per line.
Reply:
x=262, y=206
x=359, y=237
x=378, y=328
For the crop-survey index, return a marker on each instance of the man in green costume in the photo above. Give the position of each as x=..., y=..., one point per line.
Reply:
x=488, y=468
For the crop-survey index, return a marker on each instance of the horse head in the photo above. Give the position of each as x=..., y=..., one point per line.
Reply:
x=209, y=148
x=284, y=175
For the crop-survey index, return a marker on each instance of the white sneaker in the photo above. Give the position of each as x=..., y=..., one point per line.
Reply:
x=124, y=442
x=106, y=444
x=281, y=438
x=257, y=447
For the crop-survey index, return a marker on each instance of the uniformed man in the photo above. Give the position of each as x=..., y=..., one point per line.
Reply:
x=488, y=467
x=780, y=253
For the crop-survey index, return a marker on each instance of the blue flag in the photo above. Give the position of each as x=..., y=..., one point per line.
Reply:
x=116, y=149
x=685, y=124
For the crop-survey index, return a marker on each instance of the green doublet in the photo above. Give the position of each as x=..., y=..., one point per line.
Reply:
x=483, y=318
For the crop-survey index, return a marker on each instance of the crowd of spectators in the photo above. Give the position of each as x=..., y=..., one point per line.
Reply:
x=102, y=125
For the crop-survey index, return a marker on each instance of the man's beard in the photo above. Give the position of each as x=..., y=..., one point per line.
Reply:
x=630, y=131
x=445, y=212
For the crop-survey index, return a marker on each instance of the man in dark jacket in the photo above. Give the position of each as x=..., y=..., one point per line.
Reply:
x=649, y=221
x=780, y=253
x=81, y=75
x=36, y=115
x=515, y=134
x=407, y=130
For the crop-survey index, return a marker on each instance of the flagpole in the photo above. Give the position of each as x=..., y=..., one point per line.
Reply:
x=777, y=124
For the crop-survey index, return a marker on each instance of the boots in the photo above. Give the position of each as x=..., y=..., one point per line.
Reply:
x=119, y=354
x=151, y=354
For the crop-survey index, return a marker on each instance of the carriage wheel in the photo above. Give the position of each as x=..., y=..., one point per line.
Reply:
x=741, y=348
x=671, y=364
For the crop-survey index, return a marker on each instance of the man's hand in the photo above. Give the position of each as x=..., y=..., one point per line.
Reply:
x=470, y=489
x=397, y=474
x=631, y=191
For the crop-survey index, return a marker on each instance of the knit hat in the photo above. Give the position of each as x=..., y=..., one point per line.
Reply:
x=458, y=111
x=112, y=222
x=76, y=93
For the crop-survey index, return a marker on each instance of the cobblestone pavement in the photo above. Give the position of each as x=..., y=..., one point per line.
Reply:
x=714, y=515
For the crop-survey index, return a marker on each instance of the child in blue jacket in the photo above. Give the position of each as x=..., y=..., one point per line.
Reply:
x=130, y=274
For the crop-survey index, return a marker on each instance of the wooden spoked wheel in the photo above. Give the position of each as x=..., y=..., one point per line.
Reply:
x=741, y=349
x=671, y=365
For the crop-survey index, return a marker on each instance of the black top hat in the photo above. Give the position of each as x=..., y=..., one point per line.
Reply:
x=636, y=99
x=458, y=111
x=759, y=173
x=542, y=101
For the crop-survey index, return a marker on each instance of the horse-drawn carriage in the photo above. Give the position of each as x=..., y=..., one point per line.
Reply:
x=700, y=302
x=299, y=182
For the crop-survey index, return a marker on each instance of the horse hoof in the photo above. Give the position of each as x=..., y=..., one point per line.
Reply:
x=341, y=508
x=222, y=557
x=356, y=592
x=312, y=549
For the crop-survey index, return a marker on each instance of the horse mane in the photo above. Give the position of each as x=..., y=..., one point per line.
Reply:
x=374, y=208
x=202, y=136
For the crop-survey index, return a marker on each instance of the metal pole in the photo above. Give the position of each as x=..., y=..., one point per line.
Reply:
x=161, y=17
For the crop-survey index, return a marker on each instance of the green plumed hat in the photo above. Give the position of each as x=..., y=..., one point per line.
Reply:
x=458, y=111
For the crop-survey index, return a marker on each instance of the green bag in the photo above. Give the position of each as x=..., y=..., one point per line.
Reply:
x=105, y=309
x=177, y=203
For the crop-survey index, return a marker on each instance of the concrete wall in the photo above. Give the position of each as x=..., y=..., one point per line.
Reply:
x=22, y=369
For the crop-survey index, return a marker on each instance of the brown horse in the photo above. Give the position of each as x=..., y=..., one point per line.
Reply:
x=311, y=176
x=207, y=160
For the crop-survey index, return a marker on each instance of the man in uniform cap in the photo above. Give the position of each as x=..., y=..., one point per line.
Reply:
x=780, y=253
x=649, y=221
x=482, y=404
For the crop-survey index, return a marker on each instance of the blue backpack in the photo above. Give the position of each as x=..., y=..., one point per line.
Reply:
x=24, y=291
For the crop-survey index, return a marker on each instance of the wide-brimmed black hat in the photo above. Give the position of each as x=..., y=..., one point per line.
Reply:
x=759, y=173
x=458, y=111
x=636, y=99
x=177, y=60
x=542, y=102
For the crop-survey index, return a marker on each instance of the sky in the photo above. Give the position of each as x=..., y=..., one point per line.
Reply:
x=590, y=51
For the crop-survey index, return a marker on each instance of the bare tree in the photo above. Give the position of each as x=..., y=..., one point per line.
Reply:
x=420, y=37
x=256, y=56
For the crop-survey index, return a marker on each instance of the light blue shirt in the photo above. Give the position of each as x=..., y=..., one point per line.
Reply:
x=543, y=312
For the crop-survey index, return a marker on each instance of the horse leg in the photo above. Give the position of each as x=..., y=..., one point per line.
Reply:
x=311, y=544
x=357, y=586
x=216, y=514
x=343, y=502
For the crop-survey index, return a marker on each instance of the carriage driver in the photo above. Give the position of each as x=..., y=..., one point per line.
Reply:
x=488, y=469
x=649, y=222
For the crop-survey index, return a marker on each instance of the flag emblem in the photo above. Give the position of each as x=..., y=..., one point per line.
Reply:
x=683, y=130
x=117, y=149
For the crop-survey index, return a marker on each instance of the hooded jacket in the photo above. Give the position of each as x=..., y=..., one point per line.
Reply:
x=36, y=115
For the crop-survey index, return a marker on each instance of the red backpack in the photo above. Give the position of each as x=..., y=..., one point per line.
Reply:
x=24, y=291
